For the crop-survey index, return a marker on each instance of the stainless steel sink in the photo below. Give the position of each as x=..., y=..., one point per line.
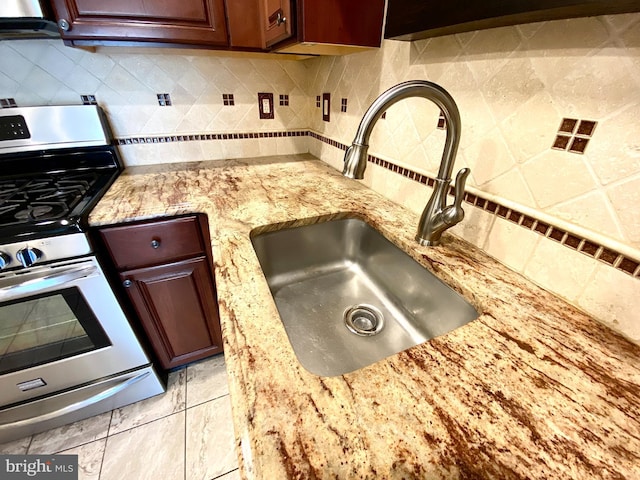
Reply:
x=348, y=297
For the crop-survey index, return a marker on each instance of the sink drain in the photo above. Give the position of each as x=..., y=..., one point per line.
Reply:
x=364, y=320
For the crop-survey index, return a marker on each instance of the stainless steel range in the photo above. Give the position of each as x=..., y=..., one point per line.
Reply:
x=67, y=351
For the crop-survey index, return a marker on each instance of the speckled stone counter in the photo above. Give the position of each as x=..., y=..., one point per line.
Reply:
x=532, y=389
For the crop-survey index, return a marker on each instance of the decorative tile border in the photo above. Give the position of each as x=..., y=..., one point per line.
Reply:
x=207, y=136
x=583, y=245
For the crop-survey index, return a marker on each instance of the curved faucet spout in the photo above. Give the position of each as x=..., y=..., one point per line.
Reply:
x=355, y=159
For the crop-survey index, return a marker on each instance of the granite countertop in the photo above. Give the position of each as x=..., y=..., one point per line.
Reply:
x=532, y=389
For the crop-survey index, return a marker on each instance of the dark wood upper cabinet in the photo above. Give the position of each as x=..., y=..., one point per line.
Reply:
x=324, y=26
x=186, y=22
x=277, y=21
x=314, y=27
x=244, y=24
x=418, y=19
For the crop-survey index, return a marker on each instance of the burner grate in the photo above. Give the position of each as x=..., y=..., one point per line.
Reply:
x=42, y=197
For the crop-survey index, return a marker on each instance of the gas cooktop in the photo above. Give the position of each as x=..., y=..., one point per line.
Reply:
x=55, y=164
x=43, y=197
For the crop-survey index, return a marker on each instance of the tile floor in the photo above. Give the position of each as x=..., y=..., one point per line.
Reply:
x=185, y=434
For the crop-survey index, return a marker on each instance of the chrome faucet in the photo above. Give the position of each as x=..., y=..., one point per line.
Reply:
x=437, y=216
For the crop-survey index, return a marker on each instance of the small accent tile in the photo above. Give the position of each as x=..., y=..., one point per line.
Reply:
x=88, y=99
x=542, y=228
x=586, y=127
x=8, y=103
x=227, y=100
x=491, y=207
x=572, y=241
x=164, y=99
x=578, y=145
x=343, y=105
x=573, y=135
x=608, y=256
x=556, y=234
x=528, y=222
x=589, y=248
x=514, y=216
x=318, y=101
x=629, y=266
x=442, y=122
x=284, y=100
x=568, y=125
x=561, y=142
x=480, y=202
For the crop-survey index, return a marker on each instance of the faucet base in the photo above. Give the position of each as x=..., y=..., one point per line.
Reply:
x=427, y=243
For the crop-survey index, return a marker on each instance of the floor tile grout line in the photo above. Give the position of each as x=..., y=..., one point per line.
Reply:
x=207, y=401
x=147, y=423
x=226, y=473
x=57, y=452
x=30, y=443
x=104, y=453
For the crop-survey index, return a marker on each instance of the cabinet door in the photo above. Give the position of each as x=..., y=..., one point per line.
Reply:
x=276, y=20
x=196, y=22
x=177, y=306
x=244, y=21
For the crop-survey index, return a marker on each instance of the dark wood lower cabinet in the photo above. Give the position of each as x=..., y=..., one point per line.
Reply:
x=165, y=266
x=175, y=304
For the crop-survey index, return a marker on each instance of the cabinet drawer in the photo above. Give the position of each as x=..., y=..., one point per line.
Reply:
x=139, y=245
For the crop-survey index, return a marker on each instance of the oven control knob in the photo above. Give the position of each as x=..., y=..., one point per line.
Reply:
x=28, y=256
x=4, y=260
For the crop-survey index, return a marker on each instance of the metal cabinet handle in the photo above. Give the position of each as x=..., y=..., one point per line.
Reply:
x=127, y=283
x=277, y=18
x=155, y=243
x=64, y=25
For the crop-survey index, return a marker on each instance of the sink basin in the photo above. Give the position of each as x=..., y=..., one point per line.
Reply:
x=348, y=297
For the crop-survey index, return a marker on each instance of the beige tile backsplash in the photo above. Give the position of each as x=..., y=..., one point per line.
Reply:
x=513, y=85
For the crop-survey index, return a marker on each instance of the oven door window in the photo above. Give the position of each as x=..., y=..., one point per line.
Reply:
x=47, y=327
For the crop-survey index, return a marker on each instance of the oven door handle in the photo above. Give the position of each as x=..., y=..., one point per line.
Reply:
x=57, y=279
x=103, y=395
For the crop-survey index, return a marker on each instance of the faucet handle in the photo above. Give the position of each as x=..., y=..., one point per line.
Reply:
x=461, y=180
x=453, y=214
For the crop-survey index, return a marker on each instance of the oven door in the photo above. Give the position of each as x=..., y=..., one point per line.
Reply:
x=60, y=327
